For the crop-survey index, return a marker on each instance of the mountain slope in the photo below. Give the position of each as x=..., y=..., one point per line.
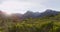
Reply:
x=48, y=12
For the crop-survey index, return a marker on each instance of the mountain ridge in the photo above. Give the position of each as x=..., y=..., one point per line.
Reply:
x=48, y=12
x=30, y=14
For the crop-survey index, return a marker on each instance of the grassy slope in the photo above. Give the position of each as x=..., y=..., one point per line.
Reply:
x=45, y=24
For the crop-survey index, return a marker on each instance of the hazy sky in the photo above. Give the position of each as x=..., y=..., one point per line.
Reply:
x=21, y=6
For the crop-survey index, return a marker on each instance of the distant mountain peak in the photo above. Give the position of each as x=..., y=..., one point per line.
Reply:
x=29, y=12
x=49, y=10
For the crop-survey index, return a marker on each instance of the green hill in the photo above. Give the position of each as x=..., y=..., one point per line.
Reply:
x=49, y=23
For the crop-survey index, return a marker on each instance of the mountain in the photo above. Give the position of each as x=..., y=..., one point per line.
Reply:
x=17, y=15
x=30, y=14
x=48, y=12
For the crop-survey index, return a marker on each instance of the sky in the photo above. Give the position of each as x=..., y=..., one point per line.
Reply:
x=22, y=6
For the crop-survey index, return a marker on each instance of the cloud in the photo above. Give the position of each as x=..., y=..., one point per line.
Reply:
x=19, y=6
x=52, y=4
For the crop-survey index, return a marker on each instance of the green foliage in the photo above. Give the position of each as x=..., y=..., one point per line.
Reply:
x=45, y=24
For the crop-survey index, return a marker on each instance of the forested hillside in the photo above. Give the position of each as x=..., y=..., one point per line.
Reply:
x=12, y=23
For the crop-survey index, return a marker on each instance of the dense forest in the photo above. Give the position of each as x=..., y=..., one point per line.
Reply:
x=12, y=23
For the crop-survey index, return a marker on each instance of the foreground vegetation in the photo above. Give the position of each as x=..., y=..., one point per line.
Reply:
x=46, y=24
